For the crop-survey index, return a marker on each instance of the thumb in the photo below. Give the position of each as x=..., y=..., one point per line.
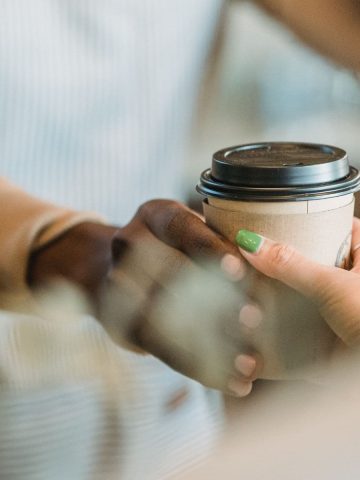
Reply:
x=282, y=262
x=332, y=289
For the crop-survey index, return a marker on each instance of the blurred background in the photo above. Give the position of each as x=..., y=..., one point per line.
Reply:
x=266, y=85
x=262, y=84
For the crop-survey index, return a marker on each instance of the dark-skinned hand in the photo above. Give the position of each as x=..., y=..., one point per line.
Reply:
x=158, y=283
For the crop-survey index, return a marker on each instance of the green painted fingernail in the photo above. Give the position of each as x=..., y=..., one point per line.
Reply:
x=249, y=241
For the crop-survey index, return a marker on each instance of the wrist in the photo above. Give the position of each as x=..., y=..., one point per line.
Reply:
x=81, y=255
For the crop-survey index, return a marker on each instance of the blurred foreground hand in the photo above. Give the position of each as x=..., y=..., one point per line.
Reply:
x=159, y=287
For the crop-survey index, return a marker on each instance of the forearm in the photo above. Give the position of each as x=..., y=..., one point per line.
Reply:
x=330, y=26
x=82, y=255
x=27, y=224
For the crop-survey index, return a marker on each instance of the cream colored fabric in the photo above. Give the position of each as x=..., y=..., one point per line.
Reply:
x=74, y=406
x=68, y=392
x=26, y=223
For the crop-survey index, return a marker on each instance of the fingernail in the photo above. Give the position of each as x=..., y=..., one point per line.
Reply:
x=233, y=267
x=249, y=241
x=245, y=364
x=239, y=388
x=250, y=316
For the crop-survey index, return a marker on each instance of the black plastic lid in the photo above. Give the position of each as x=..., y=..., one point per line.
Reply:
x=279, y=171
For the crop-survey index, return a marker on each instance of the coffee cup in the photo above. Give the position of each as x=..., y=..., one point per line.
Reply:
x=298, y=193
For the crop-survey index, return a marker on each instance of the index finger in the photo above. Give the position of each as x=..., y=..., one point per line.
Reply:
x=181, y=228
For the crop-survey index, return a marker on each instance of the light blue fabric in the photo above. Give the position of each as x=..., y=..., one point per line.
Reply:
x=97, y=96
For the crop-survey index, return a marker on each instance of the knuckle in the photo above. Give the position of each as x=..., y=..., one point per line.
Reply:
x=151, y=206
x=205, y=245
x=182, y=227
x=281, y=256
x=142, y=211
x=175, y=220
x=169, y=204
x=179, y=219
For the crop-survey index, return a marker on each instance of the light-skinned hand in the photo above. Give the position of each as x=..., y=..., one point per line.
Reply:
x=336, y=292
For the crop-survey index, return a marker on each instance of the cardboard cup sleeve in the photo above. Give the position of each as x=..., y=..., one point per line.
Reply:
x=292, y=336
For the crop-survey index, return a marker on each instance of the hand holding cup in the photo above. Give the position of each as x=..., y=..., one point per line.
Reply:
x=175, y=294
x=298, y=194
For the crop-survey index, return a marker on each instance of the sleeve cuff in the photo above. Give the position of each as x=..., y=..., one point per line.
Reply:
x=27, y=224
